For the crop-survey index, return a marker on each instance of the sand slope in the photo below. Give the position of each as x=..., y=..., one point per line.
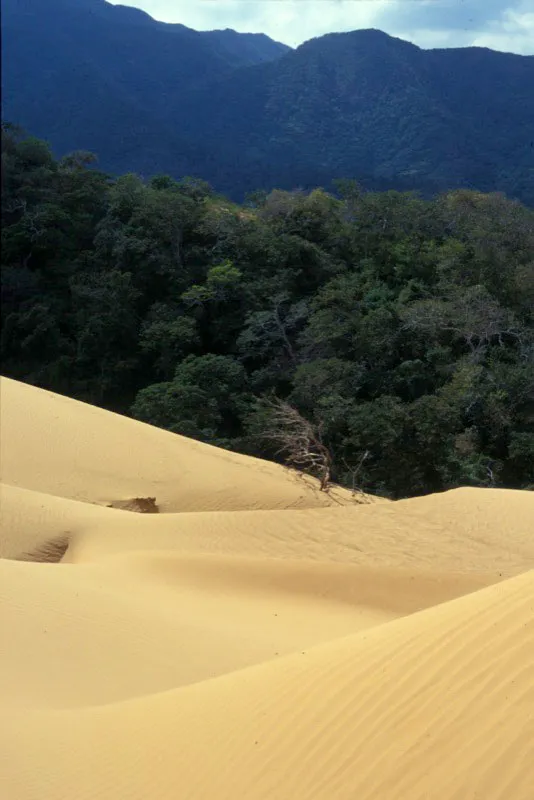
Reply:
x=59, y=446
x=438, y=704
x=258, y=639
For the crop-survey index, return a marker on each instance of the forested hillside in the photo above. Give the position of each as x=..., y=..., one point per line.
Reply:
x=376, y=108
x=400, y=329
x=246, y=113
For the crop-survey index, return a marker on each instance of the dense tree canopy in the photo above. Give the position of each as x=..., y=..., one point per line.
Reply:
x=400, y=329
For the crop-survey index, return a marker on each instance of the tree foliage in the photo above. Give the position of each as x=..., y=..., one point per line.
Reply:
x=396, y=333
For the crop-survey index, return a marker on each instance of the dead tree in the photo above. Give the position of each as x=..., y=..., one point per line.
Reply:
x=354, y=472
x=299, y=442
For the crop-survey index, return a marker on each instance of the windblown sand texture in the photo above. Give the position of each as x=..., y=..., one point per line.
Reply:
x=256, y=639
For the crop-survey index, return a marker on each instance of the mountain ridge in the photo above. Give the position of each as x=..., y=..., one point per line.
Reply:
x=245, y=113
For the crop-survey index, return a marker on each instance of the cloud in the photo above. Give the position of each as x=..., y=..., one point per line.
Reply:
x=499, y=24
x=289, y=21
x=515, y=34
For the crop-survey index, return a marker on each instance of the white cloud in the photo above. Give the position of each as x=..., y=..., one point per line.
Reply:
x=498, y=24
x=515, y=33
x=289, y=21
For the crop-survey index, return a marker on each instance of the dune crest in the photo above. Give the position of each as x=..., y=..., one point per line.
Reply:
x=63, y=447
x=258, y=638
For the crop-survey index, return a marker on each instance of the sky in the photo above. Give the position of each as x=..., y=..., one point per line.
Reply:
x=506, y=25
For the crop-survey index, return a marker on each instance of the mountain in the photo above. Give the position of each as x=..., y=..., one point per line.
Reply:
x=90, y=75
x=251, y=48
x=244, y=112
x=367, y=103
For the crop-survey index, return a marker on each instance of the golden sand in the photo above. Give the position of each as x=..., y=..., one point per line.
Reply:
x=257, y=638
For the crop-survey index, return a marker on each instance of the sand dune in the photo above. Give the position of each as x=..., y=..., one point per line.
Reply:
x=258, y=638
x=437, y=704
x=407, y=534
x=58, y=446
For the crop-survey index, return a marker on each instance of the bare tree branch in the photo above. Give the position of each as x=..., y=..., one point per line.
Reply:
x=299, y=442
x=355, y=471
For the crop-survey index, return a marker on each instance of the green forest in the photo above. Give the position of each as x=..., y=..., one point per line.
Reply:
x=396, y=333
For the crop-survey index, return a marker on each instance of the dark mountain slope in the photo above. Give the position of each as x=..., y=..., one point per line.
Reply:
x=366, y=103
x=254, y=48
x=342, y=105
x=491, y=93
x=244, y=112
x=101, y=77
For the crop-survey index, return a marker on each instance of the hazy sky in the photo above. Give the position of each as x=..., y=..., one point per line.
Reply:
x=500, y=24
